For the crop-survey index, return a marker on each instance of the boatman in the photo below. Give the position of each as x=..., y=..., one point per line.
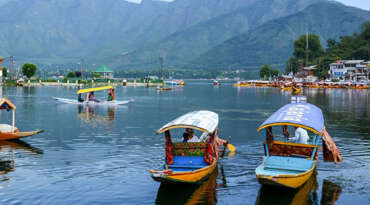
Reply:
x=191, y=137
x=301, y=136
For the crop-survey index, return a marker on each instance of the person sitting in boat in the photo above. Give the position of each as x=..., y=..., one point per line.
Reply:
x=110, y=95
x=92, y=97
x=192, y=137
x=185, y=137
x=79, y=99
x=301, y=136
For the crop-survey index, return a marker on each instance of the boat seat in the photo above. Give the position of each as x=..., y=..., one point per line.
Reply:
x=287, y=163
x=188, y=162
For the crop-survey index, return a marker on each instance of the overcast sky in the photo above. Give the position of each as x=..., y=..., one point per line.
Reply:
x=363, y=4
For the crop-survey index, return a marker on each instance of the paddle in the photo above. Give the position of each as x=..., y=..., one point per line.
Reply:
x=229, y=146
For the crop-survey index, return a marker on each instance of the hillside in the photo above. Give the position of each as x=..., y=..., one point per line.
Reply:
x=66, y=30
x=184, y=46
x=272, y=42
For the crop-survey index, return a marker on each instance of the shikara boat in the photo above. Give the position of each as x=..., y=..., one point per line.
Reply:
x=87, y=91
x=205, y=193
x=291, y=164
x=297, y=90
x=189, y=162
x=10, y=132
x=278, y=195
x=164, y=88
x=216, y=83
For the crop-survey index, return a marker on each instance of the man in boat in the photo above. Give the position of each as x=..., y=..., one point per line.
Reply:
x=110, y=95
x=79, y=99
x=192, y=137
x=185, y=137
x=301, y=136
x=92, y=97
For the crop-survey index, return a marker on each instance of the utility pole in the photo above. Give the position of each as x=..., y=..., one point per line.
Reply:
x=82, y=67
x=306, y=48
x=160, y=67
x=11, y=64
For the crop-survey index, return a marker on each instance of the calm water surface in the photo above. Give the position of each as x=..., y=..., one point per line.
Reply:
x=101, y=155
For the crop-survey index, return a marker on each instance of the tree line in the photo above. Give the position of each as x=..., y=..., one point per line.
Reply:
x=356, y=46
x=309, y=51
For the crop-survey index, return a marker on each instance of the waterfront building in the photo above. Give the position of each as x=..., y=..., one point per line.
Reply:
x=355, y=70
x=104, y=72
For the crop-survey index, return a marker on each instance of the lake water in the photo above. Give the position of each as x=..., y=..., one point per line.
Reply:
x=101, y=155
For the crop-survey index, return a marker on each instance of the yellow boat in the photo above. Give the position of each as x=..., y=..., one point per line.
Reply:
x=204, y=193
x=291, y=163
x=297, y=90
x=284, y=88
x=189, y=162
x=277, y=195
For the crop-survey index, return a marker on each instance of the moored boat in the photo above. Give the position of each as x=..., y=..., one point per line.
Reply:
x=10, y=132
x=163, y=88
x=291, y=163
x=216, y=83
x=190, y=162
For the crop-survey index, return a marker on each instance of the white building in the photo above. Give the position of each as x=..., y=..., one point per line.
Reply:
x=349, y=69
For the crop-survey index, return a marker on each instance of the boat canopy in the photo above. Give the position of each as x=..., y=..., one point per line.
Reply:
x=94, y=89
x=303, y=115
x=203, y=120
x=6, y=104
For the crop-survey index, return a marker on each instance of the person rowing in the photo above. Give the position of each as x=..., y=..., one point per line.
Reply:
x=90, y=97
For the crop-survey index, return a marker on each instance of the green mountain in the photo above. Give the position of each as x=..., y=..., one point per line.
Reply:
x=66, y=30
x=185, y=45
x=272, y=42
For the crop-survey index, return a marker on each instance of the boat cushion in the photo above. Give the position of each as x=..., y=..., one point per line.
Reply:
x=291, y=149
x=188, y=162
x=7, y=128
x=287, y=163
x=189, y=149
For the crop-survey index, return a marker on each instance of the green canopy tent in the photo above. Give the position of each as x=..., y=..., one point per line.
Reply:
x=104, y=71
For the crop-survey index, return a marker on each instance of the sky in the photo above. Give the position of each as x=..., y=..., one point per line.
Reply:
x=362, y=4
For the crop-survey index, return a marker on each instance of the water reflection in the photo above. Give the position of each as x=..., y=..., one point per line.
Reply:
x=190, y=194
x=307, y=194
x=7, y=148
x=20, y=145
x=90, y=115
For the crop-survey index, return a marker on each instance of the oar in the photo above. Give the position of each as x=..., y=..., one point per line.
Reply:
x=229, y=146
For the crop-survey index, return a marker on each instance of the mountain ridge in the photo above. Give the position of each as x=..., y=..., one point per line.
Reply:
x=272, y=42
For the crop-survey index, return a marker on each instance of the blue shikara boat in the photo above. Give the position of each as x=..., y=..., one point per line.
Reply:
x=288, y=163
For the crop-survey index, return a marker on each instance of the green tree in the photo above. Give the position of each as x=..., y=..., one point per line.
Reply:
x=314, y=47
x=274, y=72
x=96, y=75
x=29, y=69
x=5, y=72
x=71, y=75
x=292, y=65
x=265, y=71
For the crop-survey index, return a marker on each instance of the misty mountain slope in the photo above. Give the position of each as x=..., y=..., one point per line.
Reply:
x=185, y=45
x=62, y=29
x=272, y=42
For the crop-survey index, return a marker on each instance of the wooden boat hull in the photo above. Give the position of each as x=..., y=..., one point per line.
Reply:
x=104, y=103
x=187, y=177
x=17, y=135
x=287, y=180
x=286, y=88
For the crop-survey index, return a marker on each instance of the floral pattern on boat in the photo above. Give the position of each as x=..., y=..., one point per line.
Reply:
x=189, y=148
x=290, y=149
